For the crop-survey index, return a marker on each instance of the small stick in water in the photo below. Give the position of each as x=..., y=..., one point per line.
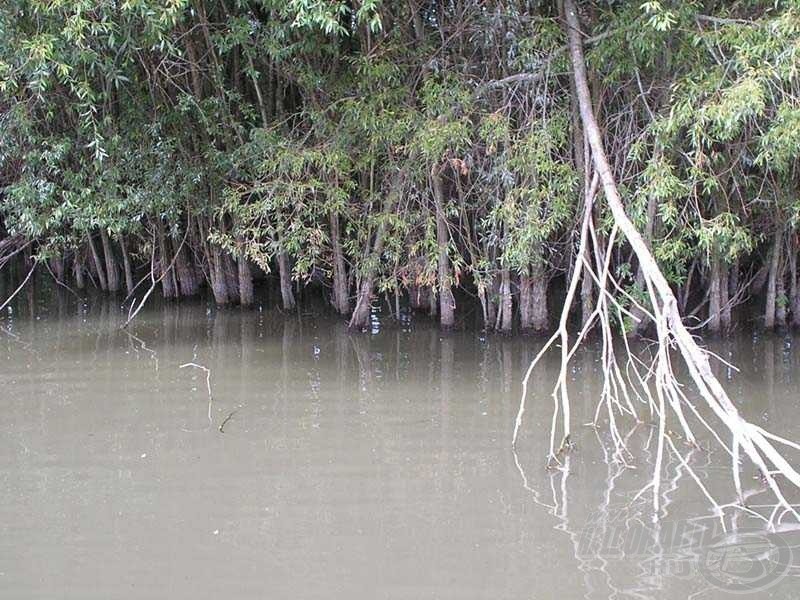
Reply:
x=225, y=421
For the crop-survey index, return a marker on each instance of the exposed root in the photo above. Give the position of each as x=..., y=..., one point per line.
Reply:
x=656, y=385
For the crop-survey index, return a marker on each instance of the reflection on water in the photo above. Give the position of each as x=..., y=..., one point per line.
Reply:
x=349, y=466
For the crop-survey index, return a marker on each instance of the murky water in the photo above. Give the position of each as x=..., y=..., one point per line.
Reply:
x=348, y=466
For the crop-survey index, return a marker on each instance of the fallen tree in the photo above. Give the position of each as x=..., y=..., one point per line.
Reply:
x=655, y=384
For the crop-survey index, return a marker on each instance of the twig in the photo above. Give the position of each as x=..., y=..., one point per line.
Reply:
x=194, y=365
x=21, y=285
x=61, y=283
x=226, y=419
x=202, y=368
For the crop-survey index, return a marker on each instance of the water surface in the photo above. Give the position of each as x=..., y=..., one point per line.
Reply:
x=349, y=466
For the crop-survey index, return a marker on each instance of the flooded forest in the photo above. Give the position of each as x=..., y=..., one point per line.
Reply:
x=428, y=154
x=399, y=298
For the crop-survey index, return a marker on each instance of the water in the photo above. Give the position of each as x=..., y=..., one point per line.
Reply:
x=349, y=466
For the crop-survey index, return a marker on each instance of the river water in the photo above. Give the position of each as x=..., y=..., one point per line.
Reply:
x=364, y=466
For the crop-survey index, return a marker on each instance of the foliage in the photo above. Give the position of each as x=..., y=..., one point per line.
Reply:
x=260, y=119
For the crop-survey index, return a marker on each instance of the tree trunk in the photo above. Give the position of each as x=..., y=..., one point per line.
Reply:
x=534, y=315
x=446, y=299
x=219, y=283
x=725, y=297
x=419, y=297
x=579, y=153
x=746, y=437
x=686, y=289
x=285, y=275
x=361, y=313
x=197, y=257
x=164, y=260
x=486, y=303
x=216, y=277
x=733, y=279
x=540, y=315
x=525, y=302
x=780, y=299
x=30, y=287
x=231, y=276
x=112, y=273
x=341, y=300
x=772, y=282
x=587, y=301
x=77, y=270
x=126, y=264
x=433, y=302
x=185, y=274
x=417, y=22
x=57, y=267
x=246, y=295
x=714, y=317
x=652, y=208
x=794, y=292
x=101, y=276
x=492, y=294
x=506, y=302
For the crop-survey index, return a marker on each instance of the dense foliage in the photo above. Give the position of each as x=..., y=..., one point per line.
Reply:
x=404, y=148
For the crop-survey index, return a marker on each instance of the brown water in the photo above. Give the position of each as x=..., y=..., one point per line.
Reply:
x=349, y=466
